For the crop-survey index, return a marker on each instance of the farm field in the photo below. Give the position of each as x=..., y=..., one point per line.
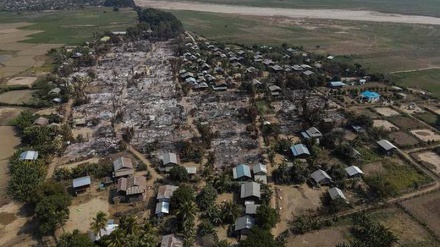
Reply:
x=429, y=8
x=426, y=135
x=16, y=97
x=7, y=114
x=425, y=208
x=384, y=124
x=8, y=143
x=420, y=79
x=405, y=123
x=22, y=81
x=429, y=159
x=402, y=139
x=387, y=112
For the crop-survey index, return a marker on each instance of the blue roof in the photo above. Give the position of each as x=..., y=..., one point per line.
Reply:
x=299, y=149
x=241, y=170
x=82, y=181
x=370, y=94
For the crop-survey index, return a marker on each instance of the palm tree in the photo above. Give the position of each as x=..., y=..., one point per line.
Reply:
x=116, y=239
x=230, y=211
x=129, y=225
x=148, y=236
x=99, y=223
x=186, y=214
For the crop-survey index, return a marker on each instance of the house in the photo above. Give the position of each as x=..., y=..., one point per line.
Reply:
x=275, y=90
x=81, y=184
x=297, y=67
x=241, y=172
x=369, y=96
x=260, y=169
x=191, y=170
x=41, y=121
x=299, y=150
x=169, y=160
x=171, y=241
x=202, y=85
x=220, y=86
x=122, y=167
x=29, y=155
x=186, y=75
x=321, y=177
x=308, y=73
x=312, y=133
x=277, y=68
x=251, y=208
x=336, y=193
x=244, y=224
x=387, y=147
x=108, y=229
x=250, y=190
x=133, y=188
x=357, y=129
x=354, y=171
x=162, y=208
x=165, y=192
x=337, y=84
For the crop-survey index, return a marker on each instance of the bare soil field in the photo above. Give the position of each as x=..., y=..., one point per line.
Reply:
x=8, y=141
x=7, y=114
x=405, y=123
x=335, y=14
x=425, y=208
x=327, y=237
x=402, y=139
x=426, y=135
x=26, y=55
x=82, y=215
x=16, y=97
x=417, y=109
x=15, y=228
x=26, y=81
x=384, y=124
x=387, y=112
x=294, y=201
x=429, y=159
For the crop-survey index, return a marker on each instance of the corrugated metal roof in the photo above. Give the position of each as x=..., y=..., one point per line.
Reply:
x=353, y=170
x=370, y=94
x=336, y=193
x=168, y=158
x=132, y=185
x=251, y=208
x=165, y=192
x=240, y=171
x=162, y=207
x=319, y=176
x=82, y=181
x=122, y=162
x=170, y=241
x=299, y=149
x=29, y=155
x=250, y=189
x=260, y=169
x=386, y=145
x=245, y=222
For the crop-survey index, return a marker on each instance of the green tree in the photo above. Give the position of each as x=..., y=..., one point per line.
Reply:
x=258, y=237
x=179, y=174
x=24, y=120
x=99, y=223
x=74, y=239
x=230, y=211
x=267, y=217
x=207, y=197
x=26, y=176
x=183, y=194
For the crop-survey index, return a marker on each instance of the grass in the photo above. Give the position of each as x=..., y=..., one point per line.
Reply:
x=403, y=176
x=263, y=107
x=427, y=117
x=71, y=27
x=423, y=79
x=428, y=7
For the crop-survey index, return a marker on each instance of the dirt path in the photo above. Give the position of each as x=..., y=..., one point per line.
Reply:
x=334, y=14
x=141, y=157
x=68, y=111
x=415, y=70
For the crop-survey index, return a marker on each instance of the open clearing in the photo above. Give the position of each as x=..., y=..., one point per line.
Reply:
x=333, y=14
x=16, y=97
x=387, y=112
x=384, y=124
x=430, y=160
x=25, y=81
x=8, y=143
x=327, y=237
x=426, y=135
x=420, y=79
x=15, y=228
x=405, y=123
x=7, y=114
x=82, y=215
x=425, y=208
x=402, y=139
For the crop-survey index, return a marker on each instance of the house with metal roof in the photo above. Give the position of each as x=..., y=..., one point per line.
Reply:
x=122, y=167
x=275, y=90
x=354, y=171
x=108, y=229
x=387, y=147
x=171, y=241
x=250, y=190
x=260, y=169
x=299, y=150
x=165, y=192
x=251, y=208
x=369, y=96
x=336, y=193
x=337, y=84
x=244, y=224
x=133, y=188
x=321, y=177
x=29, y=155
x=191, y=170
x=162, y=208
x=241, y=172
x=169, y=160
x=81, y=184
x=312, y=133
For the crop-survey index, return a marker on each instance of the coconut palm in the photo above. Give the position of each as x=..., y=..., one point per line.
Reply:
x=230, y=211
x=99, y=223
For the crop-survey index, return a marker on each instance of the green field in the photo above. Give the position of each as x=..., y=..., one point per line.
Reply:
x=412, y=7
x=71, y=26
x=423, y=79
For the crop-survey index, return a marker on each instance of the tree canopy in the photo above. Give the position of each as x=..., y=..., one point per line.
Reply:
x=267, y=217
x=74, y=239
x=258, y=237
x=179, y=174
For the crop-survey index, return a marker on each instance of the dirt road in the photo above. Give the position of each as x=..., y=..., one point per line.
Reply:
x=334, y=14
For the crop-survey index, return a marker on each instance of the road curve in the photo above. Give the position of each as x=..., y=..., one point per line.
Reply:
x=333, y=14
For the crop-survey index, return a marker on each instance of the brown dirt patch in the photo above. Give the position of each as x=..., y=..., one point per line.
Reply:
x=384, y=124
x=425, y=208
x=406, y=123
x=430, y=160
x=426, y=135
x=7, y=114
x=7, y=218
x=26, y=81
x=82, y=215
x=387, y=112
x=8, y=141
x=13, y=233
x=16, y=97
x=402, y=139
x=372, y=168
x=327, y=237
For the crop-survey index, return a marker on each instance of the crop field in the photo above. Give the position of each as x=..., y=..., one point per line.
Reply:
x=429, y=7
x=421, y=79
x=425, y=208
x=405, y=123
x=402, y=139
x=429, y=159
x=426, y=135
x=8, y=143
x=16, y=97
